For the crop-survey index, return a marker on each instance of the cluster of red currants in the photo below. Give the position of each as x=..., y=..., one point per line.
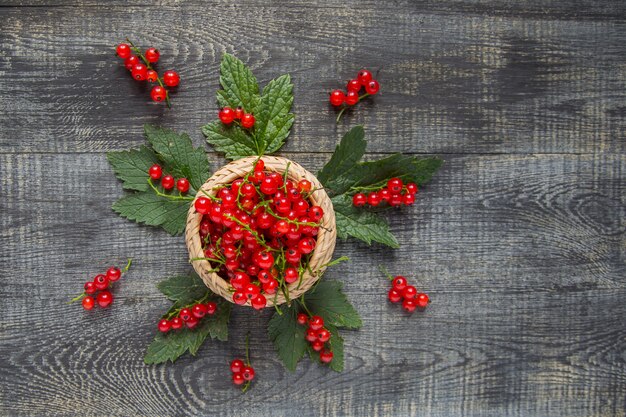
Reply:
x=317, y=335
x=144, y=71
x=364, y=80
x=402, y=291
x=395, y=194
x=260, y=231
x=168, y=181
x=241, y=371
x=188, y=316
x=97, y=290
x=228, y=116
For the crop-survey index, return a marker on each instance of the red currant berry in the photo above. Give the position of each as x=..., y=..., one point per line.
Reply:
x=139, y=72
x=239, y=298
x=409, y=292
x=164, y=326
x=171, y=78
x=114, y=274
x=247, y=121
x=264, y=260
x=152, y=55
x=352, y=97
x=183, y=185
x=373, y=199
x=394, y=295
x=176, y=323
x=310, y=335
x=395, y=185
x=199, y=310
x=302, y=319
x=270, y=286
x=304, y=186
x=226, y=115
x=316, y=213
x=90, y=287
x=354, y=85
x=323, y=335
x=306, y=245
x=101, y=281
x=364, y=77
x=130, y=62
x=202, y=205
x=268, y=186
x=395, y=200
x=409, y=305
x=317, y=345
x=152, y=76
x=155, y=171
x=123, y=50
x=411, y=188
x=237, y=365
x=88, y=302
x=408, y=199
x=422, y=300
x=185, y=314
x=239, y=113
x=104, y=298
x=258, y=302
x=372, y=87
x=238, y=378
x=359, y=200
x=211, y=308
x=251, y=291
x=337, y=97
x=248, y=373
x=259, y=166
x=191, y=323
x=316, y=323
x=326, y=356
x=167, y=182
x=399, y=283
x=291, y=275
x=384, y=194
x=158, y=93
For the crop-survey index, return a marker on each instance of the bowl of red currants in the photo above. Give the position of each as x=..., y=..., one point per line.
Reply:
x=261, y=231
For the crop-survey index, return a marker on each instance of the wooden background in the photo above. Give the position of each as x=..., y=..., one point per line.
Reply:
x=519, y=240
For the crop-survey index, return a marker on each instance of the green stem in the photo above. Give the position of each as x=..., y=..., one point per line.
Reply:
x=127, y=267
x=171, y=197
x=247, y=384
x=303, y=304
x=149, y=66
x=345, y=107
x=258, y=238
x=77, y=298
x=385, y=272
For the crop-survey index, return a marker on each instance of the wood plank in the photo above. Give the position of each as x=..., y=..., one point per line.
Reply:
x=452, y=82
x=523, y=256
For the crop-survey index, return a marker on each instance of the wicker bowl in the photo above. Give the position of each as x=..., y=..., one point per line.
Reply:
x=326, y=237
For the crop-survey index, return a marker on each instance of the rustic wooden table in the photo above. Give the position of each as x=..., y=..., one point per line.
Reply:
x=520, y=238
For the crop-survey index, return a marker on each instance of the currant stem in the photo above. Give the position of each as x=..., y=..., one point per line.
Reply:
x=77, y=298
x=247, y=384
x=385, y=272
x=127, y=267
x=303, y=304
x=171, y=197
x=143, y=58
x=345, y=107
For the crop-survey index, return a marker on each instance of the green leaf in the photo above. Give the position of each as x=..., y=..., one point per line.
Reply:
x=406, y=167
x=132, y=167
x=148, y=208
x=287, y=336
x=349, y=151
x=178, y=153
x=273, y=118
x=361, y=224
x=184, y=289
x=336, y=345
x=328, y=301
x=232, y=140
x=240, y=87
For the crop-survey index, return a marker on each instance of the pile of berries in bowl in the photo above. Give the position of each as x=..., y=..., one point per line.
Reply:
x=261, y=231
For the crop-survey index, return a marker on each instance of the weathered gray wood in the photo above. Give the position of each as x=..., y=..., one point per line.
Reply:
x=520, y=239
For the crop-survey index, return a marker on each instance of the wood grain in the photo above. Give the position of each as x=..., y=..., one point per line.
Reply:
x=520, y=239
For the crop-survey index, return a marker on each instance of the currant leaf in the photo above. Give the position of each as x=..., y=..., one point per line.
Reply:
x=132, y=166
x=349, y=151
x=287, y=336
x=232, y=140
x=150, y=209
x=274, y=119
x=240, y=87
x=328, y=301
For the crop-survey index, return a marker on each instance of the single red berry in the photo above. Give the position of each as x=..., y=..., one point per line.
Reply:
x=291, y=275
x=152, y=55
x=395, y=200
x=258, y=302
x=316, y=213
x=130, y=62
x=310, y=335
x=251, y=291
x=399, y=283
x=247, y=120
x=326, y=356
x=408, y=199
x=323, y=335
x=123, y=50
x=155, y=171
x=139, y=72
x=192, y=322
x=259, y=166
x=302, y=318
x=185, y=314
x=152, y=76
x=352, y=97
x=101, y=281
x=176, y=323
x=198, y=310
x=317, y=345
x=202, y=205
x=248, y=373
x=114, y=274
x=316, y=323
x=239, y=298
x=411, y=188
x=422, y=300
x=264, y=260
x=211, y=308
x=268, y=186
x=394, y=295
x=270, y=286
x=88, y=302
x=239, y=113
x=409, y=305
x=409, y=292
x=164, y=325
x=226, y=115
x=171, y=78
x=167, y=182
x=372, y=87
x=354, y=85
x=359, y=200
x=237, y=365
x=364, y=77
x=158, y=93
x=304, y=186
x=238, y=378
x=373, y=199
x=384, y=194
x=337, y=97
x=104, y=298
x=183, y=185
x=90, y=287
x=394, y=185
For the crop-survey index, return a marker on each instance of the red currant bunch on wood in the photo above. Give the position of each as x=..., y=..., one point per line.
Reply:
x=242, y=372
x=317, y=336
x=141, y=67
x=188, y=316
x=395, y=194
x=364, y=80
x=167, y=181
x=401, y=290
x=98, y=289
x=238, y=116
